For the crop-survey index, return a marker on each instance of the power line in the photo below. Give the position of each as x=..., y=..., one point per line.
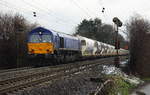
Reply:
x=85, y=8
x=39, y=9
x=4, y=4
x=53, y=11
x=44, y=21
x=46, y=10
x=75, y=3
x=7, y=4
x=16, y=7
x=91, y=11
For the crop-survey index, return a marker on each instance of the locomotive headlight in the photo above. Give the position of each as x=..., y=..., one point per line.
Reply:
x=32, y=51
x=48, y=51
x=40, y=33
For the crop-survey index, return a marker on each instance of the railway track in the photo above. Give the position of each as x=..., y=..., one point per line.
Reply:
x=15, y=69
x=34, y=79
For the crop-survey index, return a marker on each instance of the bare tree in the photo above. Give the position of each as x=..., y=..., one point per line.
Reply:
x=13, y=36
x=137, y=28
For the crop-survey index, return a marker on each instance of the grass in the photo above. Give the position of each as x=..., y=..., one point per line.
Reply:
x=119, y=86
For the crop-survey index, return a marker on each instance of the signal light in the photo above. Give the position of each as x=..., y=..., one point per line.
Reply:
x=117, y=21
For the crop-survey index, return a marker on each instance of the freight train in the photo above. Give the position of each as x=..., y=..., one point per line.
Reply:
x=60, y=47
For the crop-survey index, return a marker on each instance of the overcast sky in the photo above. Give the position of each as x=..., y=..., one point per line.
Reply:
x=65, y=15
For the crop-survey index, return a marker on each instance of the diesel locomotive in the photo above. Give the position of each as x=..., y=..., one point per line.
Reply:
x=60, y=47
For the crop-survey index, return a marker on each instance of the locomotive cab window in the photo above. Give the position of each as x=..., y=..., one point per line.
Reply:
x=34, y=38
x=46, y=38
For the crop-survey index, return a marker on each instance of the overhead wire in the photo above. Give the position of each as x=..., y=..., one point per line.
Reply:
x=85, y=8
x=50, y=13
x=22, y=10
x=16, y=8
x=104, y=11
x=82, y=9
x=94, y=14
x=47, y=11
x=8, y=5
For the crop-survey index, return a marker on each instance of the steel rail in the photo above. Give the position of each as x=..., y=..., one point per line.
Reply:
x=39, y=78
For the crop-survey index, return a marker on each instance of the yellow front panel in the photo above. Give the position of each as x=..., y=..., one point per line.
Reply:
x=40, y=48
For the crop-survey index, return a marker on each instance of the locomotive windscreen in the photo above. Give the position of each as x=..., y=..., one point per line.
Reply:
x=35, y=38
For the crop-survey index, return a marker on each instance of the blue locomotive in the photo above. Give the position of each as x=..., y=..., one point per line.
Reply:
x=52, y=44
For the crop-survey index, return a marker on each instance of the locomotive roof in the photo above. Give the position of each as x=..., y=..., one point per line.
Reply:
x=53, y=32
x=41, y=29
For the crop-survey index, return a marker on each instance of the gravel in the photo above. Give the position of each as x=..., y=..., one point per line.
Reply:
x=78, y=84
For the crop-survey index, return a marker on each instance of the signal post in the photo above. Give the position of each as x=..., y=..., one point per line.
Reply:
x=118, y=24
